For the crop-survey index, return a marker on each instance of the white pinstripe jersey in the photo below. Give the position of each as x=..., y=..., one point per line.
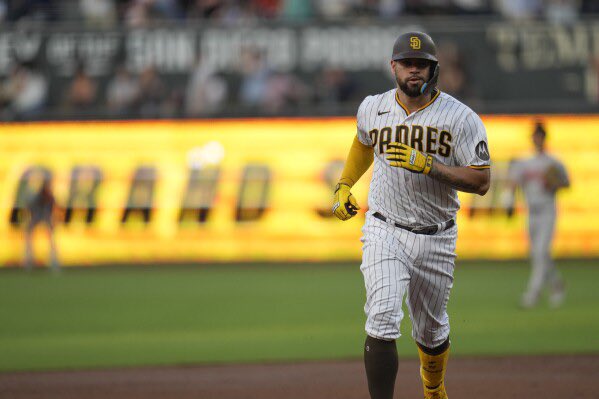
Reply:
x=444, y=128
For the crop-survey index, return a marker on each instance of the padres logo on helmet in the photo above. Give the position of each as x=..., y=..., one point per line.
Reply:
x=415, y=43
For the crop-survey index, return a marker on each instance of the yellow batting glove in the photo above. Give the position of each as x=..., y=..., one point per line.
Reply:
x=344, y=205
x=403, y=156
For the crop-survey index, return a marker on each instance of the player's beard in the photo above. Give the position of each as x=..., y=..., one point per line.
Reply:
x=409, y=90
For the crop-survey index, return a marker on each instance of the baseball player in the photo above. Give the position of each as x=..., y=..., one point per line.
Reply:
x=540, y=177
x=40, y=211
x=425, y=145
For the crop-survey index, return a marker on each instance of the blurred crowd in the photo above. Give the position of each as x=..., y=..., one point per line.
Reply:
x=137, y=13
x=253, y=87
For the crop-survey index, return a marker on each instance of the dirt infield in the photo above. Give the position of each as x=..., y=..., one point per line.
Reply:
x=543, y=377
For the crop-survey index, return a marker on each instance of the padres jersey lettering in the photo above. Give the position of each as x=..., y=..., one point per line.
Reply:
x=413, y=136
x=444, y=128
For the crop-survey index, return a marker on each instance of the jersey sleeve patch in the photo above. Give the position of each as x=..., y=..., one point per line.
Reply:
x=482, y=151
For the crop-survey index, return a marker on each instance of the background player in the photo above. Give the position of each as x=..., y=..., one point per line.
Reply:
x=40, y=211
x=540, y=177
x=425, y=145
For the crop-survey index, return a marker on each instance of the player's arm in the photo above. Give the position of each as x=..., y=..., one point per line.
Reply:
x=566, y=178
x=463, y=178
x=508, y=199
x=512, y=181
x=358, y=161
x=472, y=173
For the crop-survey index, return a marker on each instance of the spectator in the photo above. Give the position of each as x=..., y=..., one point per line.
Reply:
x=267, y=8
x=334, y=9
x=366, y=8
x=152, y=92
x=592, y=84
x=299, y=10
x=229, y=13
x=204, y=9
x=452, y=77
x=562, y=11
x=137, y=14
x=390, y=8
x=36, y=10
x=428, y=7
x=473, y=6
x=255, y=75
x=172, y=106
x=519, y=9
x=206, y=91
x=282, y=91
x=168, y=9
x=98, y=13
x=122, y=92
x=81, y=94
x=237, y=14
x=23, y=94
x=3, y=10
x=334, y=87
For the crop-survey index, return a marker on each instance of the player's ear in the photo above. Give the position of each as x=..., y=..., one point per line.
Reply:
x=393, y=63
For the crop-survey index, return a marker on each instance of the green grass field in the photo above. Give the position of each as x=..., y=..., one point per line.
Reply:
x=129, y=316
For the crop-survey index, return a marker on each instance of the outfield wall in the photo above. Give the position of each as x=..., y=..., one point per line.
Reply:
x=254, y=189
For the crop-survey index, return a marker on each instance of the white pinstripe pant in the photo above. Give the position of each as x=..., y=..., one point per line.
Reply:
x=541, y=227
x=397, y=263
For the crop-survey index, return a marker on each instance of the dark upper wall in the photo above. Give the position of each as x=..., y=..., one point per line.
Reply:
x=202, y=69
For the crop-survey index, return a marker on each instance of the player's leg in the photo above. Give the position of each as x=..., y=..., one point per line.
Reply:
x=28, y=254
x=428, y=293
x=433, y=364
x=385, y=278
x=381, y=363
x=557, y=286
x=553, y=280
x=538, y=260
x=53, y=251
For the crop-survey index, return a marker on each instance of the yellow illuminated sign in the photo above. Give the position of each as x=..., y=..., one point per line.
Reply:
x=253, y=189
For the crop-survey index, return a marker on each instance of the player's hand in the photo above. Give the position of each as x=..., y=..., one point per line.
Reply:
x=403, y=156
x=344, y=205
x=552, y=179
x=508, y=200
x=509, y=212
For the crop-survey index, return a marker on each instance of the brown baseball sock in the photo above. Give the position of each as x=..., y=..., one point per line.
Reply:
x=380, y=361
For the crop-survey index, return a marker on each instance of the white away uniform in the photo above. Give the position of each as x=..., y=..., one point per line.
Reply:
x=530, y=175
x=397, y=262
